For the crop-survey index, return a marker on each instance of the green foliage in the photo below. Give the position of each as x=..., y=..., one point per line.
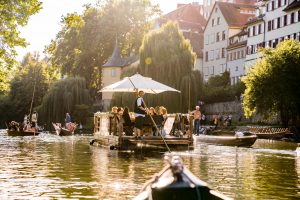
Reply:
x=220, y=80
x=218, y=89
x=272, y=85
x=67, y=95
x=168, y=58
x=14, y=13
x=86, y=41
x=20, y=96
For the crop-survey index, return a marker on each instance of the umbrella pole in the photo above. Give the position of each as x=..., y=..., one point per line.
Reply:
x=157, y=129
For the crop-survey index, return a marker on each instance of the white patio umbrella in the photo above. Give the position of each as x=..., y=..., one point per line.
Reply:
x=138, y=82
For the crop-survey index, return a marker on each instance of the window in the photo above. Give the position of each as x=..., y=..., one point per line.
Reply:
x=223, y=53
x=298, y=15
x=234, y=55
x=238, y=55
x=272, y=24
x=223, y=35
x=253, y=30
x=217, y=52
x=259, y=29
x=269, y=25
x=242, y=54
x=278, y=22
x=268, y=7
x=113, y=73
x=207, y=39
x=292, y=17
x=212, y=22
x=236, y=68
x=216, y=9
x=285, y=20
x=273, y=5
x=218, y=37
x=279, y=3
x=212, y=38
x=212, y=55
x=218, y=20
x=249, y=32
x=206, y=56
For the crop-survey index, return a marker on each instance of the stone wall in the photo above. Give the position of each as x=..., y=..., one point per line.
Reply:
x=234, y=108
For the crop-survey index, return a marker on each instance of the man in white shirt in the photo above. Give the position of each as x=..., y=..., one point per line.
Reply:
x=140, y=111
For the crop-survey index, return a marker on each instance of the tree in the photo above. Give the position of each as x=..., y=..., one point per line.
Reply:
x=29, y=75
x=168, y=58
x=272, y=85
x=218, y=89
x=14, y=13
x=86, y=41
x=67, y=95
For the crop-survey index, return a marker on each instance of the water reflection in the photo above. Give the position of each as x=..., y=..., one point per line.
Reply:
x=55, y=167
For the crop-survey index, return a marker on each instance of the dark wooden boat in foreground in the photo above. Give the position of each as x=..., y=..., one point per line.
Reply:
x=269, y=133
x=176, y=182
x=108, y=134
x=21, y=133
x=227, y=138
x=62, y=131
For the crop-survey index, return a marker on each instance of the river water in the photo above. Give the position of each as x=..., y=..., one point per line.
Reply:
x=52, y=167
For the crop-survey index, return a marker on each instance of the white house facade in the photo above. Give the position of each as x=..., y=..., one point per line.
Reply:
x=276, y=21
x=226, y=20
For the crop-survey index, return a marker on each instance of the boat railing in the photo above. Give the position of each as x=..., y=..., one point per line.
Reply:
x=106, y=124
x=270, y=130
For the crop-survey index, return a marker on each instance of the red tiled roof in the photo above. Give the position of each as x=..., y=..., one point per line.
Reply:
x=232, y=13
x=187, y=13
x=196, y=40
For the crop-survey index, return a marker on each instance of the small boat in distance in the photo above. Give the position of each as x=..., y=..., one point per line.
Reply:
x=64, y=131
x=22, y=133
x=227, y=138
x=176, y=182
x=15, y=129
x=269, y=133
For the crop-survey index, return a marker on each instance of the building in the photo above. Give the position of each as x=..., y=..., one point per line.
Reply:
x=275, y=21
x=111, y=72
x=191, y=23
x=226, y=20
x=209, y=4
x=236, y=55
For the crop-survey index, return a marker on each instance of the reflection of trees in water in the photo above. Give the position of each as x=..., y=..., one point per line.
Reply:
x=69, y=160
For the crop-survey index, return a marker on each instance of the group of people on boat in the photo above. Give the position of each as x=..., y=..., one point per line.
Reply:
x=135, y=123
x=69, y=125
x=27, y=125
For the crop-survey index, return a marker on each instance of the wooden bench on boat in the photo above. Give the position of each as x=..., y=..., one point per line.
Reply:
x=269, y=132
x=108, y=133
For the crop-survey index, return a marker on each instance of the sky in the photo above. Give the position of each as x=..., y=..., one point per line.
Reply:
x=43, y=26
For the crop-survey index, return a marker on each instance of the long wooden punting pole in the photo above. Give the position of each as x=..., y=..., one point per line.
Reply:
x=155, y=125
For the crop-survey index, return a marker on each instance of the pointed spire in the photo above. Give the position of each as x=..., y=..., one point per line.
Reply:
x=115, y=60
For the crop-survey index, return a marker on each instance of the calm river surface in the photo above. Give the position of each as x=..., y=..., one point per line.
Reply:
x=52, y=167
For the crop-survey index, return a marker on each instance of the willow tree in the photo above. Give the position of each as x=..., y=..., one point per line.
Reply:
x=272, y=85
x=168, y=58
x=66, y=95
x=86, y=41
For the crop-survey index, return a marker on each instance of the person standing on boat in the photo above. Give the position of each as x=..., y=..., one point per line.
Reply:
x=197, y=117
x=140, y=111
x=34, y=118
x=68, y=120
